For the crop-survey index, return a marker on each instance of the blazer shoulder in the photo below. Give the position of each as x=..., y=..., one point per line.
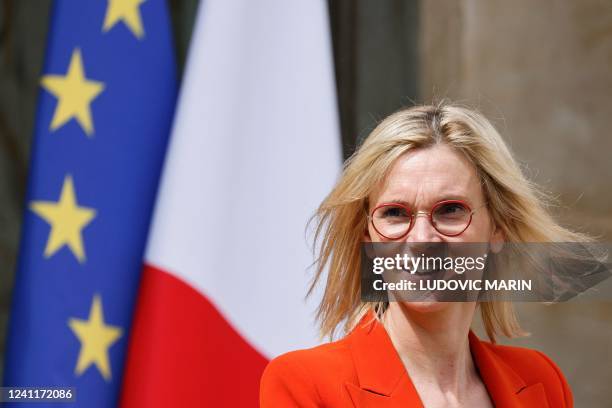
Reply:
x=536, y=367
x=307, y=377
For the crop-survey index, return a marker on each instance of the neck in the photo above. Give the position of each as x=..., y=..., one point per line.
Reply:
x=433, y=344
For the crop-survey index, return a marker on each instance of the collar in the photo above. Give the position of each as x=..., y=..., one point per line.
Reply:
x=384, y=382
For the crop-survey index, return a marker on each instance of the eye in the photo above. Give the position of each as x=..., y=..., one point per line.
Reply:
x=392, y=213
x=451, y=210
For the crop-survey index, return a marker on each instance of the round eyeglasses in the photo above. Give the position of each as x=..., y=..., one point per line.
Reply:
x=395, y=220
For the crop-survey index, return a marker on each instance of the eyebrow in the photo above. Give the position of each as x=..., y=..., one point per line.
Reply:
x=443, y=198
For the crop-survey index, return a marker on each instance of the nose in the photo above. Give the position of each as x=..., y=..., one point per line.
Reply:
x=422, y=230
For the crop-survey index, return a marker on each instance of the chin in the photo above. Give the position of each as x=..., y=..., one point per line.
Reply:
x=426, y=306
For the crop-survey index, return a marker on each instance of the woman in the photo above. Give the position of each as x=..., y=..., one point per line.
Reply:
x=421, y=354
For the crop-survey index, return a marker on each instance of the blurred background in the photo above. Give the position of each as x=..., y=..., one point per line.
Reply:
x=540, y=70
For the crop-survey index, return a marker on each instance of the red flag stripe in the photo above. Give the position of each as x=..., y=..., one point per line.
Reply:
x=183, y=352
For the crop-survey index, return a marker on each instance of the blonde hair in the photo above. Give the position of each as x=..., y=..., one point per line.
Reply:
x=515, y=204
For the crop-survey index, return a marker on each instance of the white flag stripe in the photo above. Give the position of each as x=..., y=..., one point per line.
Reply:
x=254, y=149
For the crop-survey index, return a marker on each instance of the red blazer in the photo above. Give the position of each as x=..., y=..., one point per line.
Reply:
x=364, y=370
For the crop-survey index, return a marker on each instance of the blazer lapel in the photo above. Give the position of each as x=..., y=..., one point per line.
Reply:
x=384, y=382
x=402, y=396
x=505, y=386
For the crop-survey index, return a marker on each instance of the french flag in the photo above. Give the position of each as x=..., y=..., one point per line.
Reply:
x=254, y=149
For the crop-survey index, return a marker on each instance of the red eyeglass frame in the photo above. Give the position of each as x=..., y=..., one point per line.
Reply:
x=413, y=215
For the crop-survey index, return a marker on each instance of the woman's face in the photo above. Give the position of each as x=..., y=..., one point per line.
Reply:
x=424, y=177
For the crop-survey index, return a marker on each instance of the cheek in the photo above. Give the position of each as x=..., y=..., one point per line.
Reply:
x=374, y=237
x=480, y=229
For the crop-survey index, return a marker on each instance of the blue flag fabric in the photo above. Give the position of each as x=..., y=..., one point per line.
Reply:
x=105, y=108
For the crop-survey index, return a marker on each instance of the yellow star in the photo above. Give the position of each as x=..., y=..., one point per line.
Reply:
x=74, y=94
x=96, y=338
x=67, y=220
x=126, y=11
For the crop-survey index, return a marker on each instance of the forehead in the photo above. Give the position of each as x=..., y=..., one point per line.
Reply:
x=425, y=176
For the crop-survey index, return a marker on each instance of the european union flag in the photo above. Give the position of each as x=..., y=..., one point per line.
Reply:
x=105, y=108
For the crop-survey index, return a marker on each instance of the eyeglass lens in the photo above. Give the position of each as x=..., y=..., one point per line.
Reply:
x=393, y=221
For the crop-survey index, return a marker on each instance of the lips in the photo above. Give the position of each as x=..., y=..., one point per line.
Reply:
x=423, y=272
